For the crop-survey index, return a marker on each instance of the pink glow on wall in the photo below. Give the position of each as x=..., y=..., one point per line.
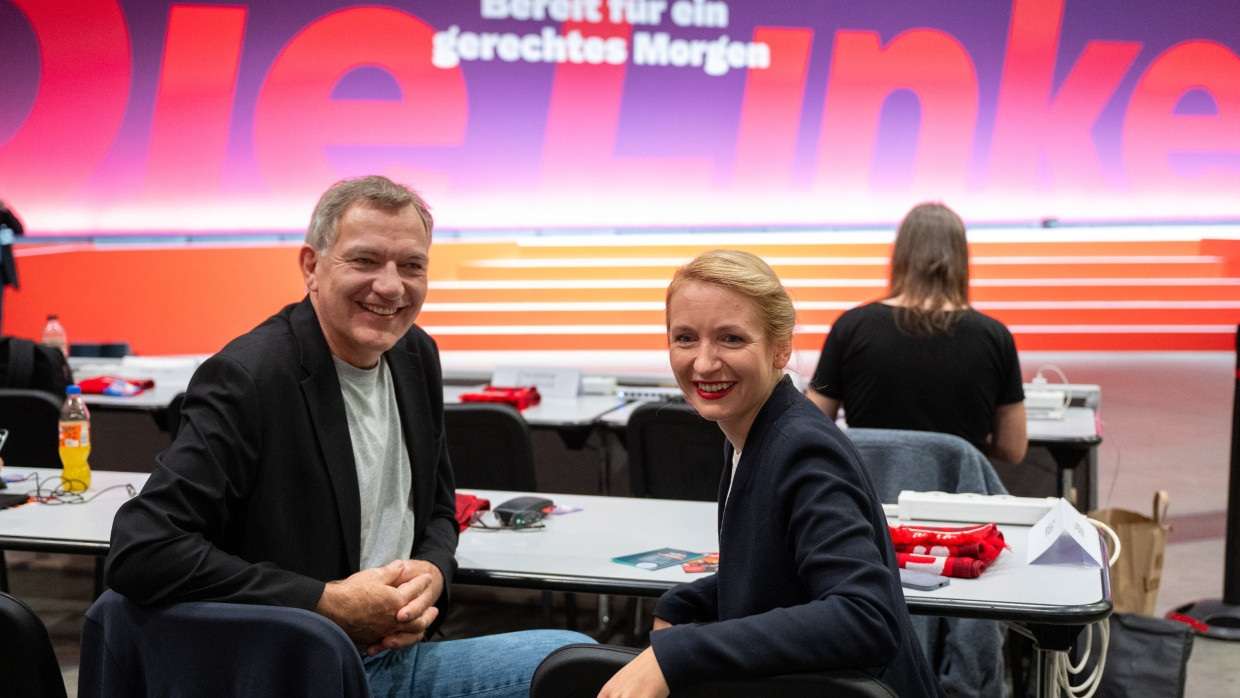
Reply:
x=167, y=117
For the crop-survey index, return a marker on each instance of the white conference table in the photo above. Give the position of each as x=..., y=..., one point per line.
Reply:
x=170, y=373
x=1078, y=426
x=565, y=412
x=576, y=411
x=573, y=418
x=1071, y=439
x=82, y=529
x=150, y=400
x=573, y=553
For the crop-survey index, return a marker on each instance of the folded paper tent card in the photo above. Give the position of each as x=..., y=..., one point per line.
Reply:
x=1065, y=536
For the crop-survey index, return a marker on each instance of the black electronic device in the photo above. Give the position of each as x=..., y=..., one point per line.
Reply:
x=922, y=581
x=521, y=512
x=13, y=500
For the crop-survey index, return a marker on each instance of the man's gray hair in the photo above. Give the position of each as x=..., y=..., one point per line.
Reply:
x=374, y=191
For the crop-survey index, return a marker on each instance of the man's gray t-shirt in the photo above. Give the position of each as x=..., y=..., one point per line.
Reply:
x=384, y=478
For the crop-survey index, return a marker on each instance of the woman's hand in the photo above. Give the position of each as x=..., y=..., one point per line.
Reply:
x=640, y=678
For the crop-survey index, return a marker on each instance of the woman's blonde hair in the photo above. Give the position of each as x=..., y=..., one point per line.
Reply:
x=749, y=276
x=930, y=270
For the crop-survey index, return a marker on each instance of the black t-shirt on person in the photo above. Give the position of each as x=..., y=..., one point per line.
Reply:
x=948, y=383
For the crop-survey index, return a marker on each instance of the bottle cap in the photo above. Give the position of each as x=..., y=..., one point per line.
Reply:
x=73, y=390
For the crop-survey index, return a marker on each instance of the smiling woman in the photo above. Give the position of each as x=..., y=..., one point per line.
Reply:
x=726, y=357
x=807, y=577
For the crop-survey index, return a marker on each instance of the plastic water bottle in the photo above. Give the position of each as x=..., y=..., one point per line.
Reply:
x=54, y=335
x=74, y=441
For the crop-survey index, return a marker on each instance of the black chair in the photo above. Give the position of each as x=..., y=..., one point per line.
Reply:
x=206, y=648
x=925, y=461
x=31, y=416
x=28, y=365
x=111, y=350
x=965, y=654
x=674, y=453
x=490, y=447
x=579, y=671
x=169, y=419
x=29, y=663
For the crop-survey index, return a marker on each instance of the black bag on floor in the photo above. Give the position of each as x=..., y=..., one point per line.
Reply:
x=1146, y=657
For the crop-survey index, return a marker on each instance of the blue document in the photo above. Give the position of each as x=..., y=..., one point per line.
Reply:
x=658, y=559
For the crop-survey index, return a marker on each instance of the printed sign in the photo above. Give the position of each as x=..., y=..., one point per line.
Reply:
x=519, y=114
x=1065, y=536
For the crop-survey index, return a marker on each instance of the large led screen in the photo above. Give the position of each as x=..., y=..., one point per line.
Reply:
x=140, y=116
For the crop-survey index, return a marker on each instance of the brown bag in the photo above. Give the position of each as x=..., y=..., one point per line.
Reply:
x=1135, y=576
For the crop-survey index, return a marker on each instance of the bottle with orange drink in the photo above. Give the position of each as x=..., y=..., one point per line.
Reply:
x=74, y=441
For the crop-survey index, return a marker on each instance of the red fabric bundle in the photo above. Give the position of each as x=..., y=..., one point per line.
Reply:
x=964, y=551
x=112, y=385
x=519, y=398
x=962, y=567
x=467, y=507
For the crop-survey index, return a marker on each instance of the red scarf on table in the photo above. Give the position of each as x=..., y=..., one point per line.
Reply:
x=964, y=551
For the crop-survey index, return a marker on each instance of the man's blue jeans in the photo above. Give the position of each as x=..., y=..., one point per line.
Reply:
x=493, y=666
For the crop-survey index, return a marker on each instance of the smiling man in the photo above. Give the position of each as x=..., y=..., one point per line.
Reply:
x=310, y=468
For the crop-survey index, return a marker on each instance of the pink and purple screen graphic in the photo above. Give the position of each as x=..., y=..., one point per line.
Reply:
x=140, y=116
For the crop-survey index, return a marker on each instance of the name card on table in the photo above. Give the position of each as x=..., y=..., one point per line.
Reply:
x=1064, y=536
x=551, y=381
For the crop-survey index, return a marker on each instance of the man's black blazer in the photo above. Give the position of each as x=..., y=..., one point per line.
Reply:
x=256, y=501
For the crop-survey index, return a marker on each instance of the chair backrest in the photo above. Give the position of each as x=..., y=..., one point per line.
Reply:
x=205, y=648
x=30, y=365
x=966, y=654
x=170, y=419
x=28, y=660
x=925, y=461
x=490, y=447
x=674, y=453
x=580, y=670
x=111, y=350
x=32, y=418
